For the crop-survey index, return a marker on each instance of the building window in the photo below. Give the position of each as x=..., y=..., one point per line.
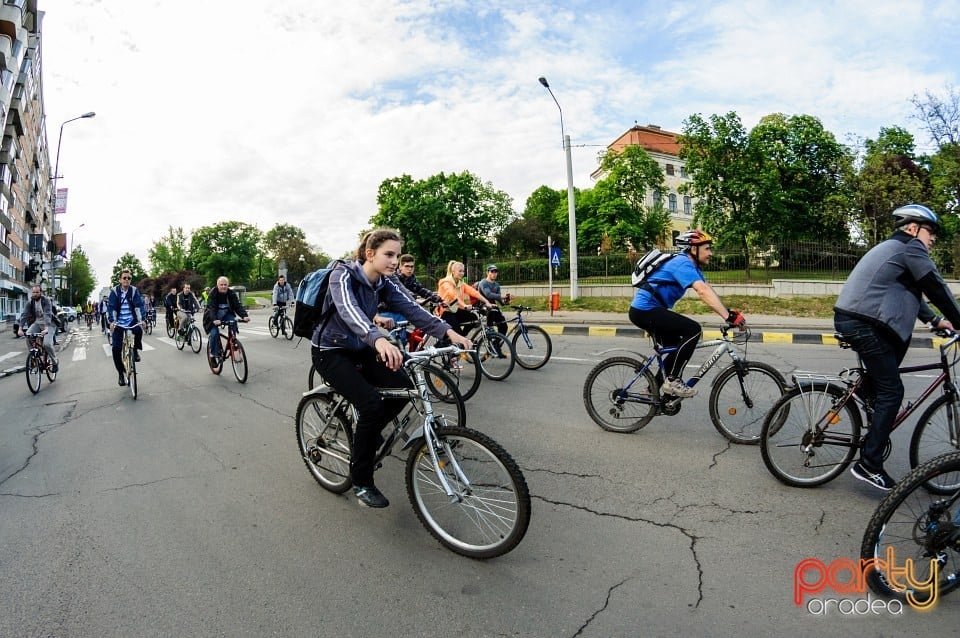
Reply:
x=686, y=204
x=673, y=202
x=669, y=169
x=683, y=171
x=657, y=196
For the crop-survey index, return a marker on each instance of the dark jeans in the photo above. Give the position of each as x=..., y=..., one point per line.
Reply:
x=670, y=329
x=495, y=318
x=357, y=375
x=117, y=343
x=214, y=334
x=881, y=353
x=457, y=320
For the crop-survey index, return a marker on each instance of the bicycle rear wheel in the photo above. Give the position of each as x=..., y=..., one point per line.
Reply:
x=180, y=339
x=495, y=355
x=534, y=350
x=148, y=327
x=274, y=327
x=490, y=510
x=239, y=361
x=465, y=370
x=738, y=404
x=805, y=440
x=325, y=441
x=287, y=328
x=170, y=329
x=195, y=339
x=919, y=526
x=937, y=433
x=34, y=372
x=618, y=398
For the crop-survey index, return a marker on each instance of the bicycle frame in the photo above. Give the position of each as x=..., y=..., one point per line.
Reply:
x=226, y=340
x=403, y=431
x=35, y=345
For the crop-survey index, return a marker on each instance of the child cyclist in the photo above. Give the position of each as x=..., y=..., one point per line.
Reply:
x=355, y=358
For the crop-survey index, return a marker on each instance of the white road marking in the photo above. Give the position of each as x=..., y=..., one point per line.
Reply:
x=9, y=354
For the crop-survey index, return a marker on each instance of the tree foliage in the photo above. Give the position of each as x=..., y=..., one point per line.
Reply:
x=133, y=264
x=169, y=253
x=545, y=215
x=940, y=115
x=225, y=249
x=80, y=277
x=287, y=242
x=444, y=217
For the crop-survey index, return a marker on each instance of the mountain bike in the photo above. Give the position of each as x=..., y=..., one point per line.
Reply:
x=231, y=347
x=532, y=344
x=129, y=359
x=148, y=322
x=622, y=393
x=281, y=323
x=189, y=335
x=465, y=489
x=918, y=520
x=38, y=363
x=813, y=432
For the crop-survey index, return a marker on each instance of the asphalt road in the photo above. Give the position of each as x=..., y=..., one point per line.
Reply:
x=189, y=512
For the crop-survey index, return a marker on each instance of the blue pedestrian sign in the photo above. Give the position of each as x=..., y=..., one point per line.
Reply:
x=555, y=255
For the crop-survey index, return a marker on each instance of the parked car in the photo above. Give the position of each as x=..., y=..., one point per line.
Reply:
x=71, y=313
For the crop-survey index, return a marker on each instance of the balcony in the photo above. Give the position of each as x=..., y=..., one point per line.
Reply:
x=9, y=149
x=16, y=100
x=6, y=51
x=13, y=11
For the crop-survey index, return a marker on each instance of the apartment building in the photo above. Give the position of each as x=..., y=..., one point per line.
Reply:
x=663, y=147
x=25, y=207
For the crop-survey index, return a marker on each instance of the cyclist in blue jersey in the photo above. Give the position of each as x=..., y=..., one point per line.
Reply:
x=125, y=310
x=651, y=307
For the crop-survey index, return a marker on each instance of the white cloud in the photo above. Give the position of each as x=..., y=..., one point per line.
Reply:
x=294, y=111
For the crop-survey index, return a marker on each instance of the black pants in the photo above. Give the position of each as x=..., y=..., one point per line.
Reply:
x=670, y=329
x=495, y=318
x=117, y=343
x=357, y=375
x=458, y=320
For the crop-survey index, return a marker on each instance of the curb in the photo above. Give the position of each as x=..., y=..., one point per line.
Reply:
x=20, y=368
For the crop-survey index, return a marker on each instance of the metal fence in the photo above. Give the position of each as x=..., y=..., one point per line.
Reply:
x=795, y=260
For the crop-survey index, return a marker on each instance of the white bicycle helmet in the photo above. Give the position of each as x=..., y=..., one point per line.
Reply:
x=915, y=213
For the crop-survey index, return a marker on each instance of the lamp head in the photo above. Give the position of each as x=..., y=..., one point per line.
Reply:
x=90, y=114
x=544, y=82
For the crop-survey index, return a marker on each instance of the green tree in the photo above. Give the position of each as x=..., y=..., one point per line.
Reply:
x=444, y=217
x=227, y=249
x=169, y=253
x=940, y=115
x=80, y=278
x=287, y=242
x=545, y=215
x=132, y=263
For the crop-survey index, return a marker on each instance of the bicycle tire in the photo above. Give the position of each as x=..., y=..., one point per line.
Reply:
x=786, y=428
x=214, y=368
x=729, y=411
x=491, y=515
x=495, y=355
x=34, y=372
x=195, y=339
x=171, y=329
x=238, y=360
x=313, y=377
x=132, y=373
x=603, y=399
x=180, y=339
x=148, y=327
x=51, y=375
x=931, y=437
x=917, y=525
x=449, y=402
x=274, y=328
x=325, y=446
x=530, y=356
x=466, y=371
x=287, y=328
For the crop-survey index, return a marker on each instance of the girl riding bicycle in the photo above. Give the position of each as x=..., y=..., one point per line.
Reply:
x=355, y=358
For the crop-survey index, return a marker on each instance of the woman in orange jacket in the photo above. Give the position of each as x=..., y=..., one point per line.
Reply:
x=456, y=294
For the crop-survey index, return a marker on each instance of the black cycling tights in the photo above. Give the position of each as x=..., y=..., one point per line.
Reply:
x=670, y=329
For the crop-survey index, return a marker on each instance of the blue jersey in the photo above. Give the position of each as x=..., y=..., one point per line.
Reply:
x=670, y=281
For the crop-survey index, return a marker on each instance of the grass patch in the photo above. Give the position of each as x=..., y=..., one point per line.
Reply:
x=821, y=307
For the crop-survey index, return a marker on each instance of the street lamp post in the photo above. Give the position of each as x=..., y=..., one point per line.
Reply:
x=571, y=206
x=70, y=285
x=56, y=175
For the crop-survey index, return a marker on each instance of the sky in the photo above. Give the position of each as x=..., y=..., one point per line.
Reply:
x=294, y=111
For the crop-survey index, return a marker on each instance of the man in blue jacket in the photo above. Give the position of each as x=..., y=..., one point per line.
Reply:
x=125, y=310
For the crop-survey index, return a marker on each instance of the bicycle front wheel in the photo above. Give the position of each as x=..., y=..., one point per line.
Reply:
x=195, y=339
x=919, y=526
x=180, y=339
x=741, y=397
x=34, y=372
x=533, y=350
x=325, y=441
x=274, y=327
x=287, y=328
x=132, y=374
x=170, y=329
x=495, y=355
x=806, y=441
x=239, y=361
x=489, y=511
x=148, y=328
x=618, y=397
x=937, y=433
x=444, y=387
x=216, y=365
x=465, y=370
x=51, y=375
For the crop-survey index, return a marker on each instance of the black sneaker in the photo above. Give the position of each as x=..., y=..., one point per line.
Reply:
x=370, y=496
x=877, y=478
x=136, y=357
x=121, y=380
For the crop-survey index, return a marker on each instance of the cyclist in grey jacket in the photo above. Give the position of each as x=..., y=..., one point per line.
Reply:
x=876, y=311
x=355, y=358
x=282, y=293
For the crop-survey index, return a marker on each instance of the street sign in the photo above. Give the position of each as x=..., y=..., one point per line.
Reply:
x=555, y=255
x=60, y=202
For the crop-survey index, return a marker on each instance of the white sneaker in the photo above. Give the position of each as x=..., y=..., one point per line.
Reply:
x=677, y=388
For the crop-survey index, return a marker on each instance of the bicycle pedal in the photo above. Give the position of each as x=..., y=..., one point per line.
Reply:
x=379, y=465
